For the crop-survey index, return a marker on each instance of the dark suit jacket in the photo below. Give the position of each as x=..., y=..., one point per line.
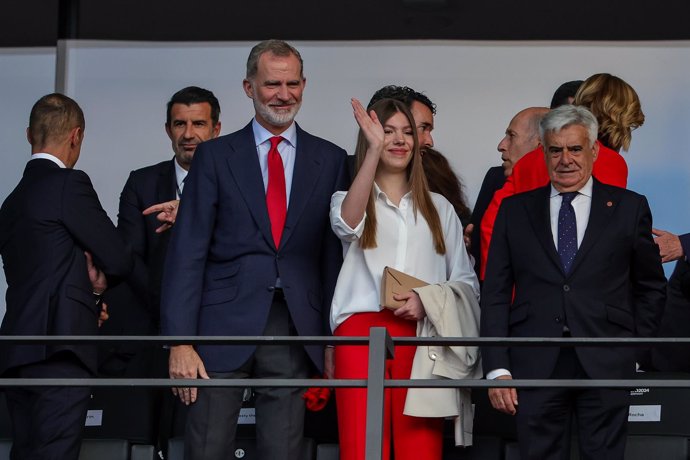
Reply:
x=144, y=188
x=134, y=306
x=46, y=224
x=616, y=287
x=675, y=323
x=222, y=263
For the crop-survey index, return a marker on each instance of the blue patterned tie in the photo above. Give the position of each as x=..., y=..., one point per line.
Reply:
x=567, y=231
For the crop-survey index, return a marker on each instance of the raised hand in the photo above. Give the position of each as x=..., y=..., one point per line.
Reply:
x=370, y=125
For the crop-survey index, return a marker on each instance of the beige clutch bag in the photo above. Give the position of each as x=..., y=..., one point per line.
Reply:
x=395, y=282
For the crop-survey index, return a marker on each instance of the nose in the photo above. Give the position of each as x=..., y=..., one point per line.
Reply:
x=188, y=131
x=502, y=145
x=566, y=157
x=427, y=140
x=283, y=94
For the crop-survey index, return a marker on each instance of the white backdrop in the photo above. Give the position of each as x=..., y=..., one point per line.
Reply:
x=478, y=86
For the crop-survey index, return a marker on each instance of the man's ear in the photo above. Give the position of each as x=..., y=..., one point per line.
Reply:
x=76, y=136
x=595, y=150
x=248, y=90
x=29, y=137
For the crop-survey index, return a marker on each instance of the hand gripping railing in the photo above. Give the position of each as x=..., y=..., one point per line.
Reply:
x=381, y=347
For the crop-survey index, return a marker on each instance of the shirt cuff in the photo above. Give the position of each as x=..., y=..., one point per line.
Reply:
x=494, y=374
x=685, y=244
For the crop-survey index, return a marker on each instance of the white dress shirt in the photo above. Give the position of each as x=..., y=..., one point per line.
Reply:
x=582, y=204
x=287, y=149
x=402, y=243
x=48, y=156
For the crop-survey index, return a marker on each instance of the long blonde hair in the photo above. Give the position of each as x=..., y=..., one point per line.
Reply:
x=421, y=198
x=616, y=106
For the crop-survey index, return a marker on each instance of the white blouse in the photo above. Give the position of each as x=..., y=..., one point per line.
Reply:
x=402, y=243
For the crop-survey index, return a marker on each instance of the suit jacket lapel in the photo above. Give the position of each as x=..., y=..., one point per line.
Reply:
x=603, y=205
x=167, y=182
x=245, y=169
x=304, y=177
x=540, y=213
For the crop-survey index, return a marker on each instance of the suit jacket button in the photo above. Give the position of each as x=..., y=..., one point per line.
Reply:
x=557, y=319
x=566, y=288
x=433, y=356
x=270, y=289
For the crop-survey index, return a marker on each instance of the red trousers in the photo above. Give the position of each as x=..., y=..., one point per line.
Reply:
x=414, y=438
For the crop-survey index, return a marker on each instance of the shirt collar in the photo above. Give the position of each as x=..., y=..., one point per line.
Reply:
x=180, y=173
x=585, y=190
x=48, y=156
x=262, y=135
x=378, y=193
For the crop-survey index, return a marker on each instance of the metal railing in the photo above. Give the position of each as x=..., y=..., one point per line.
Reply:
x=381, y=347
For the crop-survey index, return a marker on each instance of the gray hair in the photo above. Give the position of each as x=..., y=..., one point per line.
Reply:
x=276, y=47
x=569, y=115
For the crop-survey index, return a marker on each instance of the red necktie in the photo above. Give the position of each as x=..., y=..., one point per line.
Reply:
x=276, y=199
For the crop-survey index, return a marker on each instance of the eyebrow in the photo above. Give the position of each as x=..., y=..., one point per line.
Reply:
x=386, y=125
x=553, y=148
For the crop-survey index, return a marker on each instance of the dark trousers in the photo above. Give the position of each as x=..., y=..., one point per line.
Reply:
x=544, y=417
x=212, y=419
x=48, y=422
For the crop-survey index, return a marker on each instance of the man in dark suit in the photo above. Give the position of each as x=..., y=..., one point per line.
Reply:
x=46, y=224
x=252, y=254
x=575, y=258
x=192, y=118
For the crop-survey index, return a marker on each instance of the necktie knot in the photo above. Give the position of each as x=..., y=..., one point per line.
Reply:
x=568, y=197
x=275, y=140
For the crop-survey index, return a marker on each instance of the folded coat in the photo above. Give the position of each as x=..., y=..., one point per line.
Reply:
x=452, y=310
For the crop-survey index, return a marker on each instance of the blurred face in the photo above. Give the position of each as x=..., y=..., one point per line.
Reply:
x=189, y=126
x=424, y=120
x=518, y=141
x=276, y=90
x=569, y=157
x=398, y=144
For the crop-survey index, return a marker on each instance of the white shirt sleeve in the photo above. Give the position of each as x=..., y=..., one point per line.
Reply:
x=339, y=226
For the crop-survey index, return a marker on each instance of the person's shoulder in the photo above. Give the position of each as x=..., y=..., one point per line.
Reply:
x=443, y=206
x=322, y=144
x=621, y=192
x=152, y=169
x=529, y=196
x=241, y=138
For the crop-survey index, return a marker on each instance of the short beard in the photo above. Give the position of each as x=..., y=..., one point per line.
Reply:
x=276, y=119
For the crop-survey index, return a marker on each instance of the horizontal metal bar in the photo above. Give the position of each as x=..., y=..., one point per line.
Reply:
x=179, y=340
x=309, y=340
x=347, y=383
x=200, y=383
